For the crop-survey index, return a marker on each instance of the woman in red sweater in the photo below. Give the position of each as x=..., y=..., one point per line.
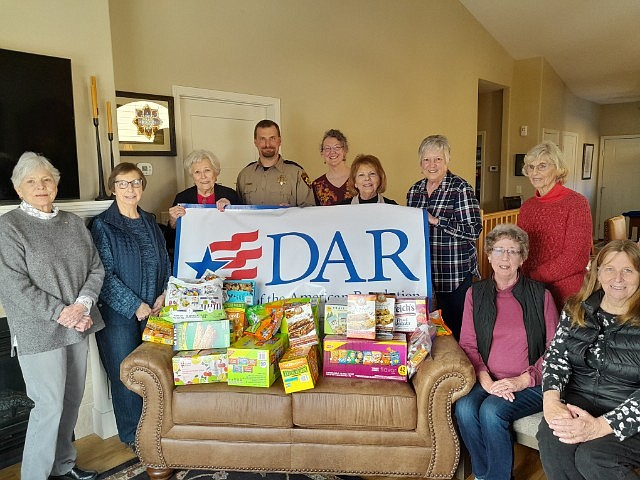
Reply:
x=558, y=221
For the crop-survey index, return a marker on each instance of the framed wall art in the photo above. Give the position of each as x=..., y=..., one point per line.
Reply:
x=146, y=124
x=587, y=160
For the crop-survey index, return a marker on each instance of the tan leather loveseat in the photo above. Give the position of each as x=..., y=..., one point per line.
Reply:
x=343, y=426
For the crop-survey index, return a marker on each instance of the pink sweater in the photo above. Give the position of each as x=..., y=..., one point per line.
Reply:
x=559, y=228
x=509, y=354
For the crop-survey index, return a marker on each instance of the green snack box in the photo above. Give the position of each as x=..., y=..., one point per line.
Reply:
x=199, y=335
x=254, y=363
x=200, y=366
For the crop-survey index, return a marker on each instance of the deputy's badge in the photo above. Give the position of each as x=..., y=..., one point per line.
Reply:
x=282, y=179
x=306, y=178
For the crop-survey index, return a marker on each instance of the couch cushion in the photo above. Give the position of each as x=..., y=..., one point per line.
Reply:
x=222, y=404
x=356, y=404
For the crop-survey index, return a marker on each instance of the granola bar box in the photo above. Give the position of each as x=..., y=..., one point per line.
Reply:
x=158, y=330
x=335, y=319
x=361, y=316
x=254, y=363
x=299, y=368
x=198, y=335
x=365, y=358
x=200, y=366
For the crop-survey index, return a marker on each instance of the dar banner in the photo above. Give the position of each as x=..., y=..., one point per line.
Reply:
x=324, y=251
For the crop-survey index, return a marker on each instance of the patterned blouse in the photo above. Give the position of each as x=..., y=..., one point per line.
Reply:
x=625, y=418
x=327, y=193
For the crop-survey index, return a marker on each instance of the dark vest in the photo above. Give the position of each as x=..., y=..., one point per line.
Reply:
x=530, y=296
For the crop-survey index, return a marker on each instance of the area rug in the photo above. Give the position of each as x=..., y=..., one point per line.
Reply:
x=133, y=470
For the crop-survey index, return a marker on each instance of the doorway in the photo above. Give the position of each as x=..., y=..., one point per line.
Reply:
x=489, y=128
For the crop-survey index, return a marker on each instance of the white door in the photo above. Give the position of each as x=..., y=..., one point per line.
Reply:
x=619, y=177
x=569, y=147
x=221, y=122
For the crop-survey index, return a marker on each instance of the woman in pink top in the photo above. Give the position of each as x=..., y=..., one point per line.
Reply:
x=558, y=221
x=507, y=324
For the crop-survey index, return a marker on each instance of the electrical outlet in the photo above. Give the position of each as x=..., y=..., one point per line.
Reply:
x=146, y=168
x=524, y=130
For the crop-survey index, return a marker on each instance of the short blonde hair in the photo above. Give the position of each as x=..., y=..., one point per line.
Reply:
x=551, y=151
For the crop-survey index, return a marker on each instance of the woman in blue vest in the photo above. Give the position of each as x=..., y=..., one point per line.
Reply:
x=137, y=269
x=508, y=322
x=591, y=376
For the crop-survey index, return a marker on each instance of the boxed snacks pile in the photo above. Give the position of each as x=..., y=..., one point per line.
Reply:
x=299, y=368
x=254, y=363
x=200, y=366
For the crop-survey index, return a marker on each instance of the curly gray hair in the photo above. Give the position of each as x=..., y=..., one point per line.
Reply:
x=510, y=231
x=199, y=155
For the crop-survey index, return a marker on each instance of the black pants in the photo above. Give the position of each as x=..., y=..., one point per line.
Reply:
x=452, y=305
x=603, y=458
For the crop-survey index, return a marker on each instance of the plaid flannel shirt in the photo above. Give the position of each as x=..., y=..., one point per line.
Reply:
x=453, y=240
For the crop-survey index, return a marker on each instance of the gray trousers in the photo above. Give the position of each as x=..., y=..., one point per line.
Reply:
x=55, y=382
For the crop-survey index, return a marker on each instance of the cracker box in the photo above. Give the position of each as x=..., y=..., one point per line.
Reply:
x=300, y=325
x=199, y=335
x=361, y=316
x=299, y=368
x=158, y=330
x=410, y=312
x=254, y=363
x=365, y=358
x=200, y=366
x=335, y=319
x=240, y=291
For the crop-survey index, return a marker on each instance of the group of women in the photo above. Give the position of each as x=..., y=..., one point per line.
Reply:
x=55, y=274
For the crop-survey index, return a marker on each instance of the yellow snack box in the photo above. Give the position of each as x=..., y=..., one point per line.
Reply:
x=299, y=368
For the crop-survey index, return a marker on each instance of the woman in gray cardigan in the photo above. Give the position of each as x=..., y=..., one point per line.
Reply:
x=50, y=278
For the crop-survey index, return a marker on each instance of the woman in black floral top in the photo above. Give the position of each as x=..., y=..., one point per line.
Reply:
x=591, y=375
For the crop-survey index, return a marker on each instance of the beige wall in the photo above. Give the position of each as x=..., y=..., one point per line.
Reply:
x=79, y=30
x=386, y=73
x=620, y=119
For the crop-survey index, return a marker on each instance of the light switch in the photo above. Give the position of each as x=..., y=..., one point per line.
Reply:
x=524, y=130
x=518, y=188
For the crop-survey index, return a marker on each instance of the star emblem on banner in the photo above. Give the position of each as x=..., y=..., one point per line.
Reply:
x=206, y=264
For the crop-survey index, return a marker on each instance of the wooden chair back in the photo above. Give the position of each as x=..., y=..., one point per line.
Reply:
x=489, y=221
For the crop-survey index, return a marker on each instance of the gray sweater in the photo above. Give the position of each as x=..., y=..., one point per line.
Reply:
x=44, y=266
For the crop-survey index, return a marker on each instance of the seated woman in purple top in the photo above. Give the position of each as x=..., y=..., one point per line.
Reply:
x=507, y=324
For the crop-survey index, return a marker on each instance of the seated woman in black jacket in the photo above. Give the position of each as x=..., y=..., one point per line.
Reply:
x=591, y=374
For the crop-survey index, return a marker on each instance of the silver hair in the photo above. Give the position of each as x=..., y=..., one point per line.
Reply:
x=27, y=163
x=198, y=155
x=553, y=153
x=510, y=231
x=435, y=143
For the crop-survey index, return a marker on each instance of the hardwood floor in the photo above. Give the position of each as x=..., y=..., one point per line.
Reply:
x=93, y=454
x=101, y=455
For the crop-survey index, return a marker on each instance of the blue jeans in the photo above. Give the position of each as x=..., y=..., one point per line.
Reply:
x=115, y=342
x=485, y=422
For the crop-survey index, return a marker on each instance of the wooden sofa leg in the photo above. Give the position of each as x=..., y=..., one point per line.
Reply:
x=159, y=473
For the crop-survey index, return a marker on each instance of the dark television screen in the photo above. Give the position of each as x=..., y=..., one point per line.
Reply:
x=36, y=114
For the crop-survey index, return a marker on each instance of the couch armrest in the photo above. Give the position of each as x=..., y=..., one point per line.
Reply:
x=148, y=372
x=446, y=375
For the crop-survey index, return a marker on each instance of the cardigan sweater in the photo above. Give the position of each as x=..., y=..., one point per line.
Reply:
x=46, y=265
x=190, y=195
x=559, y=228
x=120, y=252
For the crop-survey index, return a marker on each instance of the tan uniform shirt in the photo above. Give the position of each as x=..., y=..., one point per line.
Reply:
x=284, y=183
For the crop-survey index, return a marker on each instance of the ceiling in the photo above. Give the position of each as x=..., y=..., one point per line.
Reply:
x=593, y=45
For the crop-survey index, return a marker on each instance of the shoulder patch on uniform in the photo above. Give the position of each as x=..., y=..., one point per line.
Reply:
x=291, y=162
x=306, y=178
x=251, y=163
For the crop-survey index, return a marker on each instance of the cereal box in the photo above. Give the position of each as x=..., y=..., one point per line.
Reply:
x=299, y=368
x=200, y=366
x=385, y=312
x=198, y=335
x=365, y=358
x=410, y=311
x=361, y=316
x=158, y=330
x=254, y=363
x=300, y=325
x=335, y=319
x=240, y=291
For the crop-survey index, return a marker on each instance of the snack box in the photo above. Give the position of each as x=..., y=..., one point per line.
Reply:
x=335, y=319
x=204, y=294
x=200, y=366
x=385, y=313
x=158, y=330
x=240, y=291
x=198, y=335
x=361, y=316
x=236, y=314
x=300, y=325
x=173, y=313
x=254, y=363
x=410, y=312
x=364, y=358
x=299, y=368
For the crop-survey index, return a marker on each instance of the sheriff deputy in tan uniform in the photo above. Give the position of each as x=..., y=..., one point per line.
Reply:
x=273, y=180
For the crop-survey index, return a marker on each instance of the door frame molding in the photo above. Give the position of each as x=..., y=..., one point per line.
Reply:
x=180, y=93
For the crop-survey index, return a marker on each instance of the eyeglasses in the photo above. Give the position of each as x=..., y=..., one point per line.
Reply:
x=335, y=148
x=434, y=160
x=610, y=272
x=123, y=184
x=541, y=167
x=511, y=252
